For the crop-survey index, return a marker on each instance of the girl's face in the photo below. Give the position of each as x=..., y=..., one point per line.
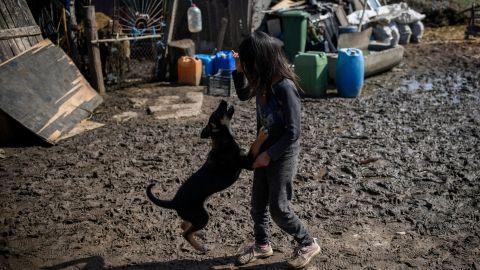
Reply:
x=262, y=61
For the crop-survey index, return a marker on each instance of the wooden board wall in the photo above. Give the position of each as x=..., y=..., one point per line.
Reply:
x=18, y=30
x=44, y=91
x=238, y=13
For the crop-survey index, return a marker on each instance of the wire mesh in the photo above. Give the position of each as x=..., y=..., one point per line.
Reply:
x=144, y=23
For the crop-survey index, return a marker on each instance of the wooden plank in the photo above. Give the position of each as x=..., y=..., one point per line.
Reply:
x=286, y=4
x=257, y=14
x=5, y=51
x=244, y=30
x=209, y=23
x=15, y=9
x=29, y=20
x=219, y=10
x=249, y=14
x=95, y=63
x=341, y=16
x=19, y=20
x=6, y=11
x=44, y=91
x=81, y=127
x=25, y=31
x=221, y=35
x=171, y=26
x=357, y=5
x=3, y=25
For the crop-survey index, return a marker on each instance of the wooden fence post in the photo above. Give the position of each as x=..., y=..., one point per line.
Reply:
x=95, y=65
x=221, y=35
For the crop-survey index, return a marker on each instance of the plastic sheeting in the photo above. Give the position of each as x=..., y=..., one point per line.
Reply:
x=418, y=30
x=399, y=13
x=405, y=33
x=410, y=16
x=355, y=17
x=387, y=34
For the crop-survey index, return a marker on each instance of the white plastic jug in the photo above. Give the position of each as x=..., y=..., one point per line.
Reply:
x=194, y=16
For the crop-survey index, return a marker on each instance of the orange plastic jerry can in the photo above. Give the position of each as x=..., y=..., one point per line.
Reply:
x=189, y=70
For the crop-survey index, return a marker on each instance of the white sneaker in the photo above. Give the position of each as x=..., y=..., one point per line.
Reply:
x=304, y=255
x=255, y=252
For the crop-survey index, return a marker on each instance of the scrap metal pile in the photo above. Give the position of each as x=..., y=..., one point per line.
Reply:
x=392, y=24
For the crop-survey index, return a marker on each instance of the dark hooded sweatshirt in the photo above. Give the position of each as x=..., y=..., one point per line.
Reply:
x=280, y=114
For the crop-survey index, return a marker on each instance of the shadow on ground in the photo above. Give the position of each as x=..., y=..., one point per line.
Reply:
x=220, y=263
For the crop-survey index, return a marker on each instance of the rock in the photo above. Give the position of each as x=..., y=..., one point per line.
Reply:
x=124, y=116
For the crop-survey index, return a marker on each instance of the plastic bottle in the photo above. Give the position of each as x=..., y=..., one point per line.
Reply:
x=194, y=16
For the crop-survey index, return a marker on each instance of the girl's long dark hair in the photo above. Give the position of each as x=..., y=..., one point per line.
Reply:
x=263, y=60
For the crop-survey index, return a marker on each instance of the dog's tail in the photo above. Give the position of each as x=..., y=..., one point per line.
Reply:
x=157, y=201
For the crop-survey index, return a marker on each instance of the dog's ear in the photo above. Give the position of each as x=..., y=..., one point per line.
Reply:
x=223, y=103
x=223, y=106
x=206, y=132
x=230, y=111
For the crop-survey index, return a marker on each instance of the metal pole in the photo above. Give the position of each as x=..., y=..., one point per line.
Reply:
x=125, y=38
x=363, y=14
x=172, y=21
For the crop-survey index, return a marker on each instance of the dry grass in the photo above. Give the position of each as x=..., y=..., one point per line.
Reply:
x=101, y=19
x=456, y=32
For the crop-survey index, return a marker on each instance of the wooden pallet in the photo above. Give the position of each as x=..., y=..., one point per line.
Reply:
x=43, y=90
x=18, y=30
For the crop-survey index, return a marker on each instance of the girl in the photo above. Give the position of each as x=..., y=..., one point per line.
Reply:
x=264, y=73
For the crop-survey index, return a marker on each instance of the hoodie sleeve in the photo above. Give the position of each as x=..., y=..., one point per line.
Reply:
x=288, y=97
x=241, y=85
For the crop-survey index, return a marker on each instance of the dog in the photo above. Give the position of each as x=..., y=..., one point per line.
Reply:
x=221, y=169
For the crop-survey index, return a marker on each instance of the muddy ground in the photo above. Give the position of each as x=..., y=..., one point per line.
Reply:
x=390, y=180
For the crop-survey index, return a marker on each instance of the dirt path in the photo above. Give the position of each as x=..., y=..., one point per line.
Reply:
x=390, y=180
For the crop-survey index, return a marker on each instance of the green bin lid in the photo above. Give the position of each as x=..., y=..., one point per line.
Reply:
x=321, y=54
x=294, y=13
x=310, y=59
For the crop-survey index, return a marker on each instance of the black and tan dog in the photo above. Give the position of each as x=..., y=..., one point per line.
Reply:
x=222, y=168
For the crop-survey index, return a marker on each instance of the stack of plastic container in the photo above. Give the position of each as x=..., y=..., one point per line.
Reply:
x=224, y=62
x=221, y=83
x=207, y=66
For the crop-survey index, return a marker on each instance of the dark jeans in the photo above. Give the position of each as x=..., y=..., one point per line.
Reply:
x=272, y=190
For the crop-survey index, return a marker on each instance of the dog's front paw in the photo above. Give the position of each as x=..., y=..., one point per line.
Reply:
x=262, y=134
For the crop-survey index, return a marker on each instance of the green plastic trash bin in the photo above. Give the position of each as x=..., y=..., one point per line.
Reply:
x=294, y=28
x=311, y=69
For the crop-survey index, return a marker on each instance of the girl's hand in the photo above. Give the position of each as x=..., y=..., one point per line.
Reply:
x=237, y=61
x=262, y=160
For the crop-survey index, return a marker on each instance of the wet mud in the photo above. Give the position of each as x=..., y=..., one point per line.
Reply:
x=389, y=180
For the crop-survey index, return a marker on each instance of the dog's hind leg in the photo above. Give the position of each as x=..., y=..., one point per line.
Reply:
x=185, y=225
x=200, y=221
